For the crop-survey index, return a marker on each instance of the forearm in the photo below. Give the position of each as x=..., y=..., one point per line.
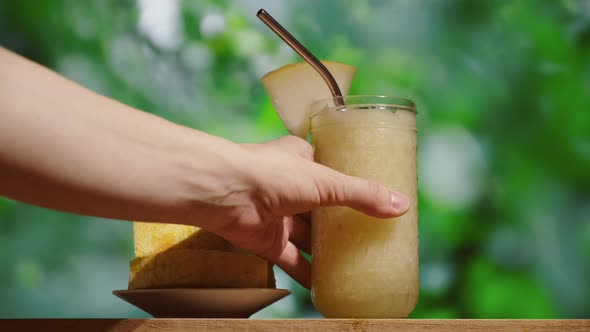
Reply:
x=64, y=147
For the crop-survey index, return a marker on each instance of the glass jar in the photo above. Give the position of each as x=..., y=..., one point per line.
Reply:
x=364, y=267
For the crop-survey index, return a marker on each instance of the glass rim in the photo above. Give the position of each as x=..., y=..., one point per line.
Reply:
x=389, y=102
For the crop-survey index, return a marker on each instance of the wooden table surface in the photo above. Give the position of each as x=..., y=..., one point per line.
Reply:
x=328, y=325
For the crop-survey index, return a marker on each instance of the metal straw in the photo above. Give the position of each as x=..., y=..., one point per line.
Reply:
x=304, y=53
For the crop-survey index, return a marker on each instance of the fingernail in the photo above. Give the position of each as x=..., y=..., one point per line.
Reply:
x=399, y=201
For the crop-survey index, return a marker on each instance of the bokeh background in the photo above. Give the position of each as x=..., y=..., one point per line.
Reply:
x=503, y=91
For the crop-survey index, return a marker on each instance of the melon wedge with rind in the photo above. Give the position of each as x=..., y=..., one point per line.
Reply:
x=294, y=87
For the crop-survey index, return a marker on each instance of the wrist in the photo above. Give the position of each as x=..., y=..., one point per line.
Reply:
x=213, y=186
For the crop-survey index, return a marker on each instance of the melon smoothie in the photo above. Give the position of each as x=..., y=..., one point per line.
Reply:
x=364, y=267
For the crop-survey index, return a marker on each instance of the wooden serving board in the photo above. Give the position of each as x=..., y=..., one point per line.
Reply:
x=328, y=325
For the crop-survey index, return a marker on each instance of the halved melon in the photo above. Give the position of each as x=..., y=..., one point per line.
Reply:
x=186, y=268
x=153, y=238
x=292, y=89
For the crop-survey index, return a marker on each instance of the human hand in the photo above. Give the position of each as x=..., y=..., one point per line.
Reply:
x=268, y=217
x=150, y=169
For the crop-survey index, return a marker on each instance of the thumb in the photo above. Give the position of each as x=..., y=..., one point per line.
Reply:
x=371, y=198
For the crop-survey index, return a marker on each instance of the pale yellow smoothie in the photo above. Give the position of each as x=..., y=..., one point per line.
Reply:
x=364, y=267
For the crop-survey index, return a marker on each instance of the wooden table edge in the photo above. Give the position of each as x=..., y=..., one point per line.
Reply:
x=357, y=325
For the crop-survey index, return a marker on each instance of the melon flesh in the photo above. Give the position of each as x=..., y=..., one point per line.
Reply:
x=153, y=238
x=186, y=268
x=292, y=89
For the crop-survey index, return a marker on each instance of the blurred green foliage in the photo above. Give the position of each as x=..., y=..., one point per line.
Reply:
x=503, y=91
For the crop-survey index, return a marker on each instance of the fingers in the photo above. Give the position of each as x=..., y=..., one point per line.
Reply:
x=295, y=265
x=294, y=144
x=299, y=232
x=371, y=198
x=277, y=247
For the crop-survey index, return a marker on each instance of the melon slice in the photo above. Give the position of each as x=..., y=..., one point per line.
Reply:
x=292, y=88
x=186, y=268
x=152, y=238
